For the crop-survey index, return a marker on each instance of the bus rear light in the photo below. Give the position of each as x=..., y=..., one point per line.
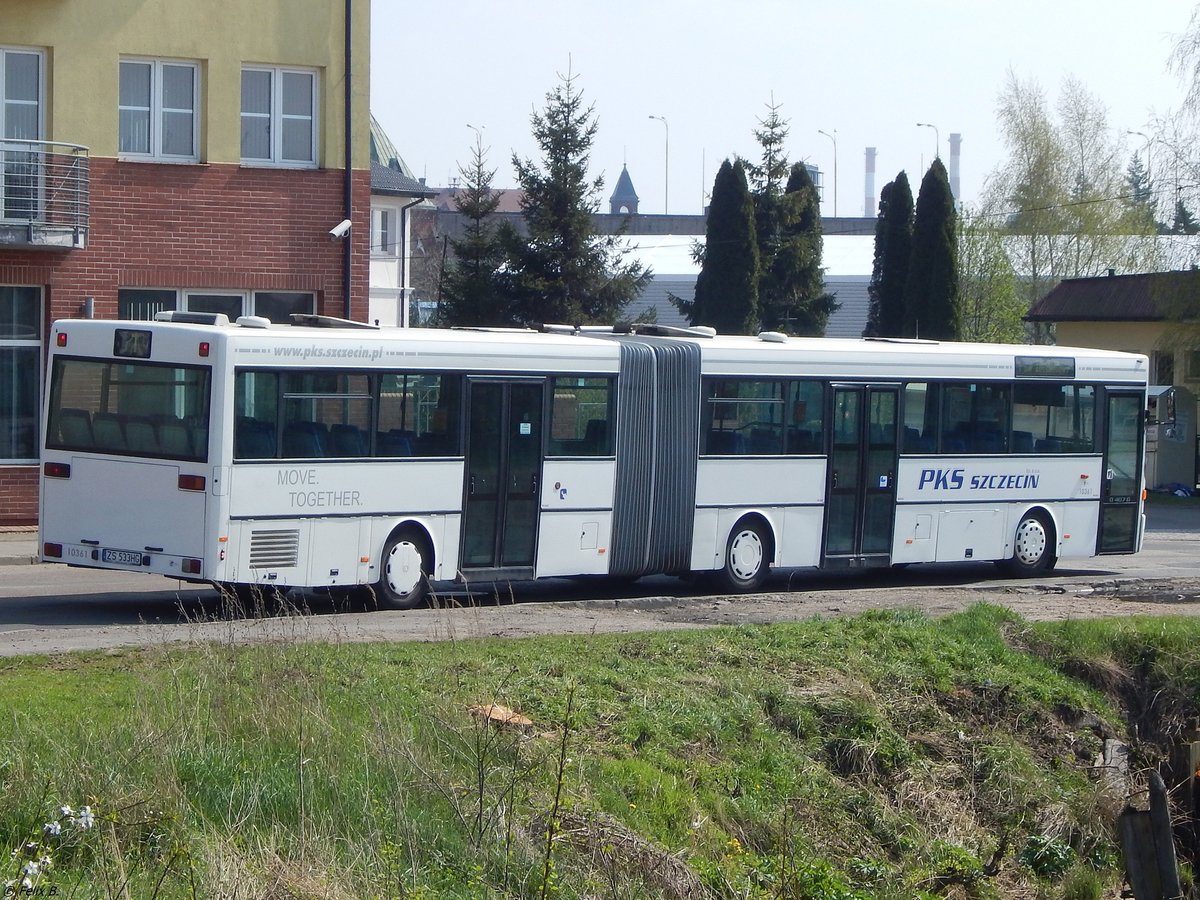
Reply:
x=191, y=567
x=57, y=470
x=54, y=551
x=204, y=346
x=60, y=339
x=191, y=482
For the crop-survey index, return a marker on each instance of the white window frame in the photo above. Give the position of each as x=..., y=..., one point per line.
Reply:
x=385, y=231
x=35, y=341
x=157, y=110
x=248, y=298
x=276, y=118
x=18, y=157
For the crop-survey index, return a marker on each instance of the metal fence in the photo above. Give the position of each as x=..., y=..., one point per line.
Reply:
x=44, y=188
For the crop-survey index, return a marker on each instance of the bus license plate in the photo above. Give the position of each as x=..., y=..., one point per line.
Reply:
x=122, y=557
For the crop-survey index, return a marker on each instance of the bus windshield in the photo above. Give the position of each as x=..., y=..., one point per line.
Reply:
x=129, y=408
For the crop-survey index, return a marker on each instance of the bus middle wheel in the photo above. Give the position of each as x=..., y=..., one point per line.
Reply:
x=404, y=572
x=747, y=557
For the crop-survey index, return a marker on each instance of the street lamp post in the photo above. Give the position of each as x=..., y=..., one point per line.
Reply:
x=833, y=137
x=666, y=162
x=1149, y=140
x=937, y=139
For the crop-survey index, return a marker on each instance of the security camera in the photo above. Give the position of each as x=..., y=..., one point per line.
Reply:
x=340, y=230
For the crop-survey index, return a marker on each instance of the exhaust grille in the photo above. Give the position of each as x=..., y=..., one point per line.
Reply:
x=277, y=549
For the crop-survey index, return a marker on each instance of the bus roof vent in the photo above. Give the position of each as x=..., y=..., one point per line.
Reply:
x=253, y=322
x=191, y=318
x=311, y=321
x=773, y=337
x=900, y=340
x=651, y=329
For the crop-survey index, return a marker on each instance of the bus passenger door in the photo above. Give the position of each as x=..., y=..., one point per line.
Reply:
x=1121, y=493
x=861, y=490
x=504, y=467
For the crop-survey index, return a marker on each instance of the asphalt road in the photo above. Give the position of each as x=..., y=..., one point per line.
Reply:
x=52, y=609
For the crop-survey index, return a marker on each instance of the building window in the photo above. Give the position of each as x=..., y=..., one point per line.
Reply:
x=1192, y=359
x=278, y=306
x=144, y=304
x=20, y=120
x=157, y=110
x=1164, y=367
x=20, y=370
x=279, y=117
x=384, y=240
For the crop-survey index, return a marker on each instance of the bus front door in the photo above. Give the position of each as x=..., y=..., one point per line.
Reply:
x=860, y=502
x=1121, y=491
x=504, y=467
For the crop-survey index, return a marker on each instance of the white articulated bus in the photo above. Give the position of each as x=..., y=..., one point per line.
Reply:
x=324, y=454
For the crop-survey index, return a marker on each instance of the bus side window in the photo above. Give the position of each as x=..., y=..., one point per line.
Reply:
x=920, y=418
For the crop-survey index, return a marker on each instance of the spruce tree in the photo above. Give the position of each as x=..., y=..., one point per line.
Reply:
x=564, y=270
x=931, y=291
x=1139, y=197
x=727, y=287
x=1185, y=222
x=470, y=289
x=766, y=181
x=893, y=252
x=792, y=295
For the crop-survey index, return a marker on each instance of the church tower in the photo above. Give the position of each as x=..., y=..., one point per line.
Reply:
x=624, y=199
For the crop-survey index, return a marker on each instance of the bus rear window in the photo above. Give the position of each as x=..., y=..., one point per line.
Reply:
x=129, y=409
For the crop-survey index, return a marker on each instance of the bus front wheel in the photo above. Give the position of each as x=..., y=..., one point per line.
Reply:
x=1033, y=546
x=747, y=558
x=404, y=572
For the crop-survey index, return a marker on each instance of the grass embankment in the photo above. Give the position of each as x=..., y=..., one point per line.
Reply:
x=881, y=756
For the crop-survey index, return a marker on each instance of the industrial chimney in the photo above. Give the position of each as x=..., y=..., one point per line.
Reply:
x=869, y=202
x=955, y=144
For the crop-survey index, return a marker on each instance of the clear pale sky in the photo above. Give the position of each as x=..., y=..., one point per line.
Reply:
x=869, y=69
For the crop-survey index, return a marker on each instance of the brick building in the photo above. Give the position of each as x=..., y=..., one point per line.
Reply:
x=157, y=155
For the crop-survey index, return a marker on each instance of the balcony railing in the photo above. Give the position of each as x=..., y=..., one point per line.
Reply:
x=43, y=195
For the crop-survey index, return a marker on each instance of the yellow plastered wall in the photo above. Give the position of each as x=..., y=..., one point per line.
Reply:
x=84, y=41
x=1132, y=337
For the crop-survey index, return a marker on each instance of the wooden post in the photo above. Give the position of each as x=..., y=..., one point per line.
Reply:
x=1184, y=766
x=1137, y=847
x=1164, y=840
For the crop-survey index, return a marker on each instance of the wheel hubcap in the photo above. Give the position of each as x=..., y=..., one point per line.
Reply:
x=403, y=567
x=1031, y=541
x=746, y=555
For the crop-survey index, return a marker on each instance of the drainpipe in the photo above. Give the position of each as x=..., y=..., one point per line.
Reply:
x=348, y=181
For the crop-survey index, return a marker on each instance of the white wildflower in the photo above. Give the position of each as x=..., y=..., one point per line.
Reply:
x=66, y=811
x=54, y=829
x=31, y=868
x=85, y=819
x=27, y=885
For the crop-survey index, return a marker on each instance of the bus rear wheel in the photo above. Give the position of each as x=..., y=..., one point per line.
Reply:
x=747, y=558
x=1033, y=546
x=404, y=572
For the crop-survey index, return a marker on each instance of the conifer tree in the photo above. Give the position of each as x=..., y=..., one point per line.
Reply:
x=726, y=295
x=792, y=295
x=470, y=290
x=931, y=290
x=893, y=253
x=564, y=270
x=1184, y=222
